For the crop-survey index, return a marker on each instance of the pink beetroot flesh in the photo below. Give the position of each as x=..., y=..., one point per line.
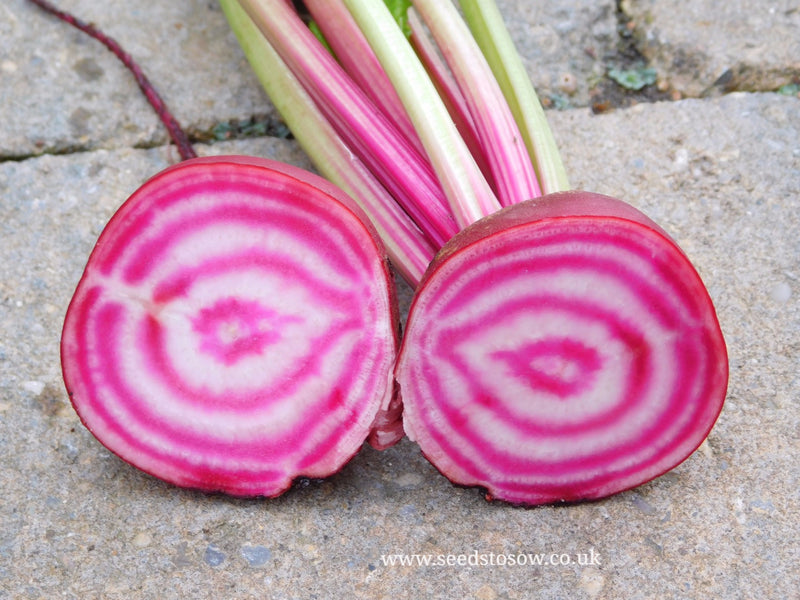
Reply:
x=235, y=328
x=562, y=349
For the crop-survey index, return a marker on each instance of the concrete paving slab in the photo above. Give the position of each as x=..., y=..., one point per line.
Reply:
x=708, y=47
x=723, y=176
x=565, y=46
x=61, y=91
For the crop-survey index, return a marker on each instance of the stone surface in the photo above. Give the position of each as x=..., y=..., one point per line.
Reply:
x=700, y=48
x=722, y=175
x=66, y=92
x=566, y=46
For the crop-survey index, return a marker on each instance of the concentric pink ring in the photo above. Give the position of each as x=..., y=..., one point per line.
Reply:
x=233, y=329
x=547, y=288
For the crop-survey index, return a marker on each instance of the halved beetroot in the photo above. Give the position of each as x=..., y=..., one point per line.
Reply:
x=235, y=328
x=561, y=349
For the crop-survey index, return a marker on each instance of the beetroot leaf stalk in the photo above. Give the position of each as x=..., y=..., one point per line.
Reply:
x=355, y=55
x=467, y=190
x=360, y=123
x=236, y=324
x=447, y=88
x=512, y=170
x=491, y=34
x=409, y=249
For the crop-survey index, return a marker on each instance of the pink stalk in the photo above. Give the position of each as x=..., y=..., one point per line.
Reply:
x=448, y=90
x=511, y=166
x=409, y=250
x=491, y=34
x=363, y=127
x=355, y=55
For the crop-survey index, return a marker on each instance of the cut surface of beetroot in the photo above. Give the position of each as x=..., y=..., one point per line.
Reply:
x=235, y=328
x=563, y=349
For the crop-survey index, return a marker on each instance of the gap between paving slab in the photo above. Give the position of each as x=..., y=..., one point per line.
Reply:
x=706, y=47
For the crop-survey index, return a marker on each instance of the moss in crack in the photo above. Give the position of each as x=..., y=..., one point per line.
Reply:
x=629, y=79
x=790, y=89
x=237, y=129
x=633, y=79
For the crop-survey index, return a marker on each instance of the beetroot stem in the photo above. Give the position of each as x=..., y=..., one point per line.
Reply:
x=512, y=170
x=454, y=100
x=409, y=249
x=469, y=195
x=394, y=160
x=176, y=132
x=491, y=34
x=354, y=53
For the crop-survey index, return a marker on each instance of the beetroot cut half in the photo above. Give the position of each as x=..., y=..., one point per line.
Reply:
x=235, y=328
x=562, y=349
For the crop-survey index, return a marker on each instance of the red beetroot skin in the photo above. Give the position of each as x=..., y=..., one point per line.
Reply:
x=235, y=328
x=562, y=349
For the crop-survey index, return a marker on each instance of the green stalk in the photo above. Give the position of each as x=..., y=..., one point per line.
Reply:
x=407, y=247
x=467, y=191
x=490, y=32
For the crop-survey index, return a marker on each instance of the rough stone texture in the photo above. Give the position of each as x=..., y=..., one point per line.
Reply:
x=67, y=92
x=565, y=45
x=721, y=175
x=701, y=48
